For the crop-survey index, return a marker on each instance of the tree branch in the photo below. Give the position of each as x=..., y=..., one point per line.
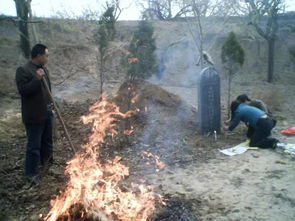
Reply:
x=16, y=20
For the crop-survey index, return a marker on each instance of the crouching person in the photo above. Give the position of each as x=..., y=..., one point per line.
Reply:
x=257, y=119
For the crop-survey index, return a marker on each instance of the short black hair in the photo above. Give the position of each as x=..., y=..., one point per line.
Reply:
x=243, y=98
x=38, y=49
x=233, y=107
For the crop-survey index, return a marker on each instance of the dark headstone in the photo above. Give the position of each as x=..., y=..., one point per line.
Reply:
x=209, y=101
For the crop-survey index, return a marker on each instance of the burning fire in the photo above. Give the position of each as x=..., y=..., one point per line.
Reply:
x=154, y=159
x=95, y=186
x=134, y=99
x=128, y=132
x=132, y=60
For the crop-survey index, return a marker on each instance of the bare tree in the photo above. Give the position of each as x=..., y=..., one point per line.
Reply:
x=23, y=8
x=232, y=56
x=163, y=9
x=200, y=10
x=264, y=17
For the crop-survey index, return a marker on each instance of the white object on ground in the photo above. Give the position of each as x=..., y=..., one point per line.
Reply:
x=288, y=148
x=239, y=149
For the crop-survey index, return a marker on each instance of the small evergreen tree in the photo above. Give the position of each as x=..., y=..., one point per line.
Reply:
x=104, y=34
x=108, y=20
x=232, y=56
x=141, y=60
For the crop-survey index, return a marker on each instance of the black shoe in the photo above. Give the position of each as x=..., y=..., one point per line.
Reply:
x=274, y=143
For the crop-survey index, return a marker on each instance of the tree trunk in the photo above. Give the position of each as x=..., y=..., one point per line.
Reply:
x=101, y=73
x=169, y=9
x=271, y=50
x=22, y=13
x=228, y=94
x=35, y=35
x=200, y=28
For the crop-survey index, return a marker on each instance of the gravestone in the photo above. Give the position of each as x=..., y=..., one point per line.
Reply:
x=209, y=101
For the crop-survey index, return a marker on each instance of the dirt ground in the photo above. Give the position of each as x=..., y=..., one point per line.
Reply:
x=200, y=182
x=257, y=185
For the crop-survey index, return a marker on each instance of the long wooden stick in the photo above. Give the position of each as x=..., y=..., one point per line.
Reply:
x=59, y=116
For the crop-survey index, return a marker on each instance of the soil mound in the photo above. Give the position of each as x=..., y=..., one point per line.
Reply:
x=159, y=112
x=142, y=95
x=164, y=125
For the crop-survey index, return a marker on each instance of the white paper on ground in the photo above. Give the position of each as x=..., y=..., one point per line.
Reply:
x=243, y=147
x=289, y=149
x=239, y=149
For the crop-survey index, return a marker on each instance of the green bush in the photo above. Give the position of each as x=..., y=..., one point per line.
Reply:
x=141, y=60
x=232, y=51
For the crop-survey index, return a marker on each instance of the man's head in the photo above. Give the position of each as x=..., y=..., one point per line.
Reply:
x=243, y=98
x=39, y=54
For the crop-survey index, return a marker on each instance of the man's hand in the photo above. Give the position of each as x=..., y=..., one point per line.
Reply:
x=227, y=122
x=225, y=127
x=40, y=73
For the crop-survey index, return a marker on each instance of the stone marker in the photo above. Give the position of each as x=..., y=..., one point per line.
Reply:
x=209, y=101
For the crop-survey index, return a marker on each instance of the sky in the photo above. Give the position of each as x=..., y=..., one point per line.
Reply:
x=49, y=8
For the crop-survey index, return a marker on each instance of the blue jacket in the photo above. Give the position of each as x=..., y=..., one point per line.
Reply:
x=248, y=114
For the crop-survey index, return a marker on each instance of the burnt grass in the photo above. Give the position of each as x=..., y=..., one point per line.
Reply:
x=163, y=130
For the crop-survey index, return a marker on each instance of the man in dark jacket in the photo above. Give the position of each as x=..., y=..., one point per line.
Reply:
x=36, y=111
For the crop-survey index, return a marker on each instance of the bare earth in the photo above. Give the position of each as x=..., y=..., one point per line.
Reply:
x=255, y=186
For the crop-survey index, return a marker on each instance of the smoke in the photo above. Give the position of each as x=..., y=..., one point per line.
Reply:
x=168, y=128
x=177, y=65
x=166, y=132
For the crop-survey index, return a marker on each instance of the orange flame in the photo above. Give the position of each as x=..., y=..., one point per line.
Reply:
x=132, y=60
x=155, y=159
x=94, y=185
x=128, y=132
x=135, y=99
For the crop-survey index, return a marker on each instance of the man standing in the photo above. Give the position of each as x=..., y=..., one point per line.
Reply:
x=36, y=111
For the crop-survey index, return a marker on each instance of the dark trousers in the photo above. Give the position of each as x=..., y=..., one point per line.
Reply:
x=260, y=135
x=250, y=131
x=39, y=146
